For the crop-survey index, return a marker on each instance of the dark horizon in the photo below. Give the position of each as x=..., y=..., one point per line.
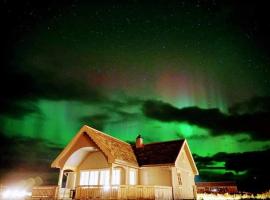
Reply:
x=163, y=69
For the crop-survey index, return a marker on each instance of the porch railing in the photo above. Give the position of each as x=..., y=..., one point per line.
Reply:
x=124, y=192
x=105, y=192
x=45, y=192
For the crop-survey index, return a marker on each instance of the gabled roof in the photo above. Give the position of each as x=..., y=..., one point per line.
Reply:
x=115, y=150
x=164, y=153
x=120, y=150
x=158, y=153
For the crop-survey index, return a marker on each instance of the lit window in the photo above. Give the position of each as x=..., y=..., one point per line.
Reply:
x=104, y=177
x=93, y=178
x=84, y=178
x=132, y=177
x=116, y=177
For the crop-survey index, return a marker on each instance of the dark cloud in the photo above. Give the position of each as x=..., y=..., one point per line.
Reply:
x=114, y=111
x=15, y=87
x=25, y=157
x=236, y=161
x=23, y=81
x=253, y=105
x=16, y=108
x=255, y=124
x=112, y=115
x=122, y=102
x=127, y=116
x=97, y=121
x=20, y=89
x=253, y=166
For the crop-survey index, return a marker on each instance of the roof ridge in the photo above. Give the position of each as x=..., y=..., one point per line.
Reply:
x=107, y=135
x=216, y=182
x=165, y=141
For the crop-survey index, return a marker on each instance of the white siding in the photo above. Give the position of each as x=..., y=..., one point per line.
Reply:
x=183, y=167
x=155, y=176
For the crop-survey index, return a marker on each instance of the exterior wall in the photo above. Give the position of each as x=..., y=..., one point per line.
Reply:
x=123, y=172
x=94, y=160
x=160, y=175
x=97, y=161
x=136, y=175
x=183, y=178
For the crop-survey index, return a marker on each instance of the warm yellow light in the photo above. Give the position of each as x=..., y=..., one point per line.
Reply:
x=106, y=188
x=15, y=193
x=227, y=196
x=116, y=177
x=132, y=177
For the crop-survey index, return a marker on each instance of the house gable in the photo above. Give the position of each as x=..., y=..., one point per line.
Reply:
x=94, y=160
x=117, y=151
x=114, y=149
x=80, y=142
x=185, y=159
x=120, y=151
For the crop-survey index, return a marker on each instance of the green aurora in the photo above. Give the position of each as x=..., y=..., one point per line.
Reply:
x=98, y=63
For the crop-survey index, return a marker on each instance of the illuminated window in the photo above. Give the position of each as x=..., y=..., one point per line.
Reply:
x=132, y=177
x=93, y=178
x=104, y=177
x=116, y=177
x=84, y=177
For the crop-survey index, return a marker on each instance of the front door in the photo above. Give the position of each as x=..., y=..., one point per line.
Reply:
x=71, y=178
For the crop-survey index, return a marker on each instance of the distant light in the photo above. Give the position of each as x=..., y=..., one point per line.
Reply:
x=15, y=194
x=226, y=196
x=214, y=190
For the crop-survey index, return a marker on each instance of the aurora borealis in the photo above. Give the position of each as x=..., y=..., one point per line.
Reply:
x=166, y=69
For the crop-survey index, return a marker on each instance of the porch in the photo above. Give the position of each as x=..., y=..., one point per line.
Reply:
x=124, y=192
x=105, y=192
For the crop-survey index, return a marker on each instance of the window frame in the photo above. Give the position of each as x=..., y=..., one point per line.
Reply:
x=132, y=181
x=114, y=176
x=98, y=181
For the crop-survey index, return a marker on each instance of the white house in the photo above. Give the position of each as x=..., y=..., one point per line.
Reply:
x=96, y=165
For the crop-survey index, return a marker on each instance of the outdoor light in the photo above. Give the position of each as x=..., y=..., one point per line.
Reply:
x=227, y=196
x=15, y=194
x=214, y=190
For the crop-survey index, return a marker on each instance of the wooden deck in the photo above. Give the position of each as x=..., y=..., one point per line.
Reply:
x=123, y=192
x=45, y=192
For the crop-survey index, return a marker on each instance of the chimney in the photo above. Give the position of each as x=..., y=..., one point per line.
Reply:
x=139, y=142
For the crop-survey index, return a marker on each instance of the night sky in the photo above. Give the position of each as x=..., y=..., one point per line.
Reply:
x=198, y=70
